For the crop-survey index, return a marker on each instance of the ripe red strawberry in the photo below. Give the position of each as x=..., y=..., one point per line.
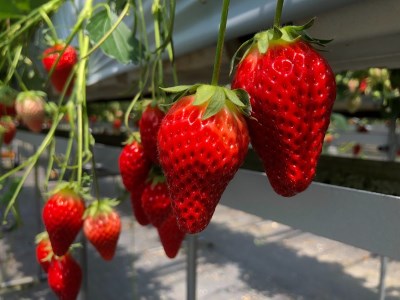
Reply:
x=65, y=277
x=64, y=67
x=30, y=108
x=7, y=130
x=137, y=207
x=292, y=90
x=148, y=125
x=102, y=227
x=62, y=217
x=117, y=123
x=43, y=251
x=7, y=109
x=134, y=166
x=356, y=149
x=200, y=153
x=171, y=236
x=156, y=202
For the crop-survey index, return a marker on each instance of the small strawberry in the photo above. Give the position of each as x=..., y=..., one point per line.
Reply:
x=64, y=66
x=202, y=142
x=30, y=108
x=292, y=89
x=156, y=202
x=148, y=125
x=171, y=236
x=44, y=252
x=7, y=130
x=356, y=149
x=102, y=226
x=64, y=277
x=7, y=101
x=117, y=123
x=137, y=207
x=62, y=217
x=133, y=165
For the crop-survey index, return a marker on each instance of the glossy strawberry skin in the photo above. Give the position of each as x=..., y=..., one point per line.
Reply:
x=134, y=167
x=199, y=158
x=43, y=250
x=171, y=236
x=10, y=131
x=156, y=203
x=103, y=231
x=64, y=67
x=149, y=124
x=137, y=208
x=292, y=90
x=62, y=217
x=65, y=277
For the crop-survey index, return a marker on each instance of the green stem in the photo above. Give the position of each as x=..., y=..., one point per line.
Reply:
x=46, y=18
x=220, y=44
x=32, y=161
x=50, y=164
x=278, y=13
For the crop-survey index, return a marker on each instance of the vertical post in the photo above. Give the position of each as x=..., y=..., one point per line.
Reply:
x=38, y=198
x=392, y=148
x=191, y=266
x=84, y=290
x=382, y=286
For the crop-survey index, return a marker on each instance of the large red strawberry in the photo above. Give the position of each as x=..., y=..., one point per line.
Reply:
x=202, y=142
x=148, y=125
x=171, y=236
x=30, y=108
x=102, y=227
x=64, y=66
x=292, y=90
x=7, y=129
x=62, y=217
x=64, y=277
x=133, y=165
x=44, y=252
x=156, y=202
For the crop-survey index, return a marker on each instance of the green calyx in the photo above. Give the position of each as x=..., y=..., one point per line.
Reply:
x=71, y=188
x=156, y=176
x=101, y=206
x=133, y=137
x=214, y=98
x=7, y=94
x=33, y=95
x=41, y=237
x=280, y=36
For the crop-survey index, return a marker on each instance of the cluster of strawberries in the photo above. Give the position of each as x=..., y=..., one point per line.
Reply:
x=64, y=215
x=281, y=99
x=143, y=178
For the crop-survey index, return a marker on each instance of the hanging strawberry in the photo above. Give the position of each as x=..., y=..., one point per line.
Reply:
x=202, y=142
x=62, y=217
x=148, y=125
x=65, y=277
x=292, y=89
x=30, y=107
x=7, y=129
x=156, y=202
x=64, y=67
x=170, y=235
x=44, y=253
x=102, y=226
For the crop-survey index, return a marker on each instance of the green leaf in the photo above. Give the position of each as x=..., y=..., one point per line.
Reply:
x=121, y=44
x=203, y=94
x=231, y=95
x=216, y=103
x=18, y=9
x=176, y=89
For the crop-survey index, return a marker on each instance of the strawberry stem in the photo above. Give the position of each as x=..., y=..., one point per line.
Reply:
x=278, y=13
x=220, y=43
